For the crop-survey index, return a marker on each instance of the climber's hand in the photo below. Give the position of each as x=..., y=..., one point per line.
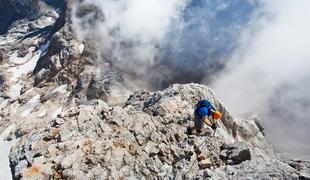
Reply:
x=214, y=126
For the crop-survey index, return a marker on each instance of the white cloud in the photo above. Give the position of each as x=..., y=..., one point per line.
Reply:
x=270, y=68
x=132, y=30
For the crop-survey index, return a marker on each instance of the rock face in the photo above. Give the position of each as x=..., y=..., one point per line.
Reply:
x=144, y=139
x=11, y=10
x=303, y=168
x=236, y=153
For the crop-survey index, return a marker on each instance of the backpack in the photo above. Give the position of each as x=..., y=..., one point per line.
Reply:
x=204, y=103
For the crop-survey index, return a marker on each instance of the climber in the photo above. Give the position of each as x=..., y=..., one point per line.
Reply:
x=205, y=113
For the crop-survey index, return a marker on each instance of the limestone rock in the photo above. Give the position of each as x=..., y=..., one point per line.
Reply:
x=236, y=153
x=303, y=168
x=205, y=163
x=146, y=138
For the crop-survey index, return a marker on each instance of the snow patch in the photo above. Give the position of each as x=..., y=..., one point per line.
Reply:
x=31, y=104
x=29, y=65
x=20, y=60
x=81, y=48
x=4, y=104
x=60, y=89
x=56, y=113
x=42, y=114
x=50, y=20
x=24, y=68
x=5, y=147
x=15, y=90
x=6, y=40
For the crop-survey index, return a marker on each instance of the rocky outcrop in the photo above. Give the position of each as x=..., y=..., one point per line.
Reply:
x=235, y=154
x=109, y=86
x=145, y=139
x=303, y=168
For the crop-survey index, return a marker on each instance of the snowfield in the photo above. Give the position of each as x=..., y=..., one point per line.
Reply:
x=5, y=146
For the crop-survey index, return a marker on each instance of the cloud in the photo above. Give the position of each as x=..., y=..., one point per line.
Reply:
x=130, y=32
x=164, y=41
x=269, y=73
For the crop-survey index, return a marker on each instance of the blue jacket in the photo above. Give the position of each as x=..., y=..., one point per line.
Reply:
x=202, y=112
x=203, y=107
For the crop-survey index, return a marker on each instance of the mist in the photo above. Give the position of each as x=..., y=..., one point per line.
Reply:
x=253, y=53
x=128, y=33
x=269, y=73
x=165, y=42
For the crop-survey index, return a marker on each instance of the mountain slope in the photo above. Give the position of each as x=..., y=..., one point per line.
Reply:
x=145, y=139
x=66, y=114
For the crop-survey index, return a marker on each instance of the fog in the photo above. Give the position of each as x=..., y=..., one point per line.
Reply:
x=269, y=73
x=165, y=42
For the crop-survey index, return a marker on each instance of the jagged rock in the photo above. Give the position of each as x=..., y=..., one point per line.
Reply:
x=89, y=14
x=205, y=163
x=236, y=153
x=240, y=153
x=151, y=148
x=101, y=86
x=1, y=80
x=259, y=169
x=1, y=55
x=96, y=140
x=303, y=168
x=137, y=99
x=38, y=172
x=61, y=49
x=41, y=75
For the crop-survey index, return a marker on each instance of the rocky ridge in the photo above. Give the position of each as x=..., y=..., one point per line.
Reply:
x=146, y=139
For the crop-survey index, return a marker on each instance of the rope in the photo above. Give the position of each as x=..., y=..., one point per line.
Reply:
x=188, y=154
x=203, y=143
